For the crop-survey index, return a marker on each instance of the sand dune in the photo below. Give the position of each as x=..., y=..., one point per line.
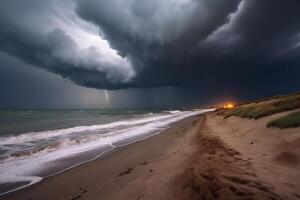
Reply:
x=273, y=153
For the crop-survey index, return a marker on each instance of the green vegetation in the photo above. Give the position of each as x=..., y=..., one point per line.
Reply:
x=265, y=107
x=288, y=121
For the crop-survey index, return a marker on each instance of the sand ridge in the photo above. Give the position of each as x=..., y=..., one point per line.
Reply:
x=220, y=172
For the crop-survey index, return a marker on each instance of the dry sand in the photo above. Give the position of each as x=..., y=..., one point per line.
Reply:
x=203, y=157
x=273, y=154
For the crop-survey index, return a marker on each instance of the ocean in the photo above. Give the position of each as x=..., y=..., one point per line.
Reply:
x=35, y=144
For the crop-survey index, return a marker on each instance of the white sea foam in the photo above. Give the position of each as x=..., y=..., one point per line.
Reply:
x=25, y=168
x=174, y=111
x=27, y=137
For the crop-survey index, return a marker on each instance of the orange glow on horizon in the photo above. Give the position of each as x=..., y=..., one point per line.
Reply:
x=229, y=106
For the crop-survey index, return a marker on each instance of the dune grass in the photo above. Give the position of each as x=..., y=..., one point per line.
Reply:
x=265, y=107
x=289, y=121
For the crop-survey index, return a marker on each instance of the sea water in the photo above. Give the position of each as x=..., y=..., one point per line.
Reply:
x=39, y=143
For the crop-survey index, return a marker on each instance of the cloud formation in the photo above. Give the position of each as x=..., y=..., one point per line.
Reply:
x=49, y=35
x=146, y=43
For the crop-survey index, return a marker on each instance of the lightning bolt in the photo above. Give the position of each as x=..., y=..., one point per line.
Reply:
x=106, y=96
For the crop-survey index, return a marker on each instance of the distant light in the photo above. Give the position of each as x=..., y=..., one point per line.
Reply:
x=228, y=106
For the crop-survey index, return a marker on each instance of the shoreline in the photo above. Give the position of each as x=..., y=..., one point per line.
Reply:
x=200, y=157
x=111, y=152
x=64, y=164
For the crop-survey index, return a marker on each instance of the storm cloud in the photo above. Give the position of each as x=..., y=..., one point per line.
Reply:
x=49, y=35
x=152, y=43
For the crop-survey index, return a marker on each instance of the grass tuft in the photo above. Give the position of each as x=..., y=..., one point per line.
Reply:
x=289, y=121
x=265, y=107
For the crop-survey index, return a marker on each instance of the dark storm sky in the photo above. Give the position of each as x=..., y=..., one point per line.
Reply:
x=147, y=53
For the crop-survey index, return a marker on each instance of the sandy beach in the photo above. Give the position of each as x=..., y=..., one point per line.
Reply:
x=201, y=157
x=145, y=170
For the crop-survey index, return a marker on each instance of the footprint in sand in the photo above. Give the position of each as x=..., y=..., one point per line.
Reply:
x=144, y=163
x=127, y=171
